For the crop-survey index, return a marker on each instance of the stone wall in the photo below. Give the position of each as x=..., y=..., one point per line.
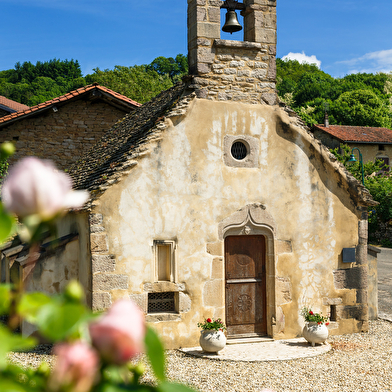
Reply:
x=370, y=151
x=63, y=136
x=108, y=284
x=326, y=139
x=103, y=266
x=233, y=70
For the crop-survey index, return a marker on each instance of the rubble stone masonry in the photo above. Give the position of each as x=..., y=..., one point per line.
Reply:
x=63, y=136
x=227, y=70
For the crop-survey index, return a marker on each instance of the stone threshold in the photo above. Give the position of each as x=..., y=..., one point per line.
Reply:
x=247, y=340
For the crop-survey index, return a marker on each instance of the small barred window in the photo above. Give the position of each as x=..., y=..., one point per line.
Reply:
x=161, y=302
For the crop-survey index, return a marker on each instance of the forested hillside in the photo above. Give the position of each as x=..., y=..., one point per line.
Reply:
x=356, y=99
x=32, y=84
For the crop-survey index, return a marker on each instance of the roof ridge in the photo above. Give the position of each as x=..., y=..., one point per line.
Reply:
x=12, y=104
x=65, y=97
x=357, y=133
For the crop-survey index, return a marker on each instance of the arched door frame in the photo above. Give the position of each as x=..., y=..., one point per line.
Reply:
x=255, y=220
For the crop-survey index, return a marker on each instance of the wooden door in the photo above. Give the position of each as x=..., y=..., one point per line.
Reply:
x=245, y=285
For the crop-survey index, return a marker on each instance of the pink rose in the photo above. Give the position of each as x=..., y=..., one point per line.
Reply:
x=35, y=187
x=119, y=334
x=75, y=369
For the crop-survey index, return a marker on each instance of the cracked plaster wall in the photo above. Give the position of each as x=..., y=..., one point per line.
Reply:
x=182, y=190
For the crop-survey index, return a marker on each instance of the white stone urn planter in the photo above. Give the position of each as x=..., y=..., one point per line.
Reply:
x=212, y=341
x=315, y=333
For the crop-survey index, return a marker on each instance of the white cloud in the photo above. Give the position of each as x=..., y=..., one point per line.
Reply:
x=302, y=58
x=380, y=61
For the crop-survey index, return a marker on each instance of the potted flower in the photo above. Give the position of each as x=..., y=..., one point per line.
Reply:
x=315, y=329
x=212, y=337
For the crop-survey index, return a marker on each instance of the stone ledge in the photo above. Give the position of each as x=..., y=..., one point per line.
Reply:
x=223, y=43
x=160, y=287
x=156, y=318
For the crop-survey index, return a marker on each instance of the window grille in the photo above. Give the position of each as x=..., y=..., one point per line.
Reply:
x=239, y=150
x=161, y=302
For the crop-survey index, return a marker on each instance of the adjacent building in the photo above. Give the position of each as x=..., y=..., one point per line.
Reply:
x=373, y=142
x=64, y=128
x=7, y=106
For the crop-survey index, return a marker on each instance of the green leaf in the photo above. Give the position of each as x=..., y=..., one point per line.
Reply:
x=173, y=387
x=58, y=321
x=30, y=305
x=7, y=225
x=5, y=298
x=7, y=385
x=108, y=387
x=155, y=353
x=12, y=342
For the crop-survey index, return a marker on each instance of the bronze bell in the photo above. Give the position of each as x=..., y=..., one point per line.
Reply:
x=231, y=25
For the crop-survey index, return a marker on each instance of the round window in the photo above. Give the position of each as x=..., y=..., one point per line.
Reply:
x=239, y=150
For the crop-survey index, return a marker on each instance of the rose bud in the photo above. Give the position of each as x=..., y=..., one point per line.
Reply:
x=75, y=369
x=6, y=150
x=119, y=334
x=35, y=187
x=209, y=320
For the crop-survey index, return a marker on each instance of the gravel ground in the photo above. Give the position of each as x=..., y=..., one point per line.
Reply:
x=357, y=362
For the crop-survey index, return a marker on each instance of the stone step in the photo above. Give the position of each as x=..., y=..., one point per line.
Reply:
x=248, y=340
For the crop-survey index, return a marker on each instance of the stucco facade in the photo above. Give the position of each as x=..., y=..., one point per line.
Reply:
x=184, y=190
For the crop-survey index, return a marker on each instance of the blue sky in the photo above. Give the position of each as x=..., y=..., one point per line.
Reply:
x=341, y=36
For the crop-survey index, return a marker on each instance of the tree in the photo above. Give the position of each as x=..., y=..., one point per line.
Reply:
x=361, y=107
x=174, y=68
x=308, y=89
x=139, y=82
x=379, y=184
x=32, y=84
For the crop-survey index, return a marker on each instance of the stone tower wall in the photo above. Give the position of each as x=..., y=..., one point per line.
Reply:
x=233, y=70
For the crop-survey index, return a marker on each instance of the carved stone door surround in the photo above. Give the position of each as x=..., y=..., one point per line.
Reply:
x=254, y=220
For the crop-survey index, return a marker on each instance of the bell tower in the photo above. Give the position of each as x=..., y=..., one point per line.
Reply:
x=227, y=70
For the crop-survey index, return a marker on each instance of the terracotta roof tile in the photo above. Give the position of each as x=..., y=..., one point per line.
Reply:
x=14, y=106
x=31, y=110
x=348, y=133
